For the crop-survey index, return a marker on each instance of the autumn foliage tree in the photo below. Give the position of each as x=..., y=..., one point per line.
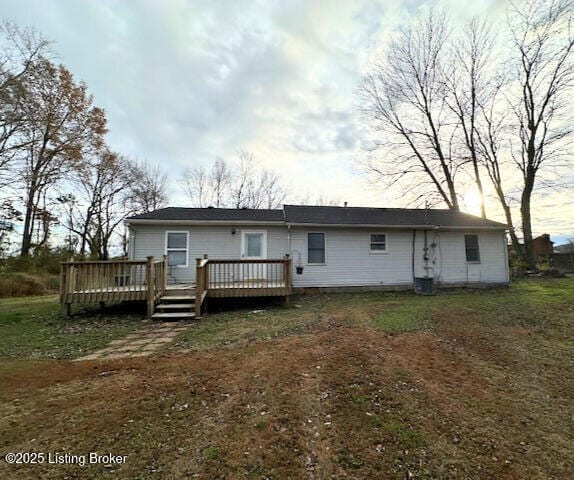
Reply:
x=62, y=126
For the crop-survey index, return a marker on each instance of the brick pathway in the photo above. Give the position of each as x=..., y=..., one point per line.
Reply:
x=139, y=344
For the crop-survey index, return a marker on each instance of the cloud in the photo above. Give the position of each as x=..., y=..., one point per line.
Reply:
x=185, y=82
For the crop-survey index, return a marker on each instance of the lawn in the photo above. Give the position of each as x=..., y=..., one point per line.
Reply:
x=465, y=384
x=32, y=327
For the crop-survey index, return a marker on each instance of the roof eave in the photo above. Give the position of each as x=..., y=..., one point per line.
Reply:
x=149, y=221
x=382, y=225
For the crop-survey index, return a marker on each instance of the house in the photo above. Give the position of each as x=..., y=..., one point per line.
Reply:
x=543, y=246
x=328, y=247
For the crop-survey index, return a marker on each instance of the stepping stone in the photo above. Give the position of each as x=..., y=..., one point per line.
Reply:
x=140, y=354
x=151, y=347
x=164, y=340
x=93, y=356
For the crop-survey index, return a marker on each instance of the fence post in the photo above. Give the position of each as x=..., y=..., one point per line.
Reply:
x=150, y=289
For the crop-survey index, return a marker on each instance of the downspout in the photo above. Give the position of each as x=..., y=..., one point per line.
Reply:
x=413, y=256
x=426, y=255
x=131, y=242
x=506, y=261
x=289, y=240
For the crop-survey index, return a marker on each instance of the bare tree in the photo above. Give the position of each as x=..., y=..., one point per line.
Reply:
x=272, y=195
x=404, y=101
x=543, y=39
x=62, y=125
x=243, y=185
x=195, y=184
x=220, y=181
x=242, y=181
x=253, y=187
x=100, y=204
x=468, y=82
x=437, y=115
x=148, y=190
x=491, y=139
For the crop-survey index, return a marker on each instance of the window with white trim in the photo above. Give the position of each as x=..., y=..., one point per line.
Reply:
x=176, y=249
x=378, y=243
x=315, y=248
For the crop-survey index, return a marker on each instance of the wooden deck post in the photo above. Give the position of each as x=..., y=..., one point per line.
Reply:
x=165, y=267
x=198, y=287
x=287, y=276
x=150, y=290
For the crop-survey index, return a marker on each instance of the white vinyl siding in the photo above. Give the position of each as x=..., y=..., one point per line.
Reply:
x=350, y=262
x=218, y=242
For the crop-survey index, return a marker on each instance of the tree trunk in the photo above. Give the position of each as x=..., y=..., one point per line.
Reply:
x=28, y=223
x=527, y=220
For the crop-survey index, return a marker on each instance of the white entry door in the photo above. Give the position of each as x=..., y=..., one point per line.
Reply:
x=254, y=247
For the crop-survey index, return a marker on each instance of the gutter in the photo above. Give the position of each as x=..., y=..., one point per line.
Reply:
x=313, y=225
x=402, y=227
x=142, y=221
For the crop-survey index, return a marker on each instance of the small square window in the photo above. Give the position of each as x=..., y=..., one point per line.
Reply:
x=378, y=242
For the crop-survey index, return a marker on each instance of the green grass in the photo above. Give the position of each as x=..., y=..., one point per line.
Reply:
x=528, y=303
x=32, y=327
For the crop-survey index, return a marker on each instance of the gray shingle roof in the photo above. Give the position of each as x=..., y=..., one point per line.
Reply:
x=296, y=214
x=212, y=214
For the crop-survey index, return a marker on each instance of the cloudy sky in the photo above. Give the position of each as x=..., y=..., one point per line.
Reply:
x=186, y=82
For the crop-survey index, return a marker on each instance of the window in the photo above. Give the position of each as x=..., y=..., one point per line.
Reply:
x=378, y=243
x=315, y=248
x=176, y=249
x=471, y=246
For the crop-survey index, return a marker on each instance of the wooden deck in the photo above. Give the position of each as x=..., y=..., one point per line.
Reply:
x=146, y=280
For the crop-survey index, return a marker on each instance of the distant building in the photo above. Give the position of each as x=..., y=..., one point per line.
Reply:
x=543, y=246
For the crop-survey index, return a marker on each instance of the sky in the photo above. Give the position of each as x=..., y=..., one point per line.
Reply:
x=186, y=82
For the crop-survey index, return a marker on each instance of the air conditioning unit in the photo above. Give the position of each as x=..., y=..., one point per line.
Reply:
x=424, y=285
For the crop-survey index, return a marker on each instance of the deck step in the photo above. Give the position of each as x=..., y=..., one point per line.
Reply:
x=178, y=298
x=173, y=316
x=176, y=306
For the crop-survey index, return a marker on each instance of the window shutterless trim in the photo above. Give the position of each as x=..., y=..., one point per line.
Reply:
x=186, y=249
x=474, y=249
x=324, y=262
x=386, y=243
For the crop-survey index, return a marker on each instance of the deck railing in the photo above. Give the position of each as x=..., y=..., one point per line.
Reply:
x=245, y=278
x=114, y=280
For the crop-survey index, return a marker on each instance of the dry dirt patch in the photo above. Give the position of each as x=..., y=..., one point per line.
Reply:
x=344, y=402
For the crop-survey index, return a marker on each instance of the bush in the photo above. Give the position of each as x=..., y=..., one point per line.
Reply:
x=25, y=284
